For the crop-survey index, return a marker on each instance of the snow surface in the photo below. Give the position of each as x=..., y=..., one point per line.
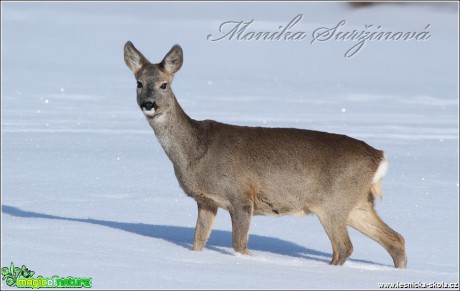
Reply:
x=88, y=191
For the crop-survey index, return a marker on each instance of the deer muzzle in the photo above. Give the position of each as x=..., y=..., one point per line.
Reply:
x=149, y=108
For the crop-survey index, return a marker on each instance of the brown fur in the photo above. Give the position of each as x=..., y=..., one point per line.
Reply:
x=251, y=193
x=264, y=171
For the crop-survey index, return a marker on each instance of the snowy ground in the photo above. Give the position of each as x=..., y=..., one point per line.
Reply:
x=88, y=191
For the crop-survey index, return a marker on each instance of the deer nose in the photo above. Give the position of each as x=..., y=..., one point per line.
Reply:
x=147, y=105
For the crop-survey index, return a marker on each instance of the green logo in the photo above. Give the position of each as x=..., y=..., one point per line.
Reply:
x=23, y=278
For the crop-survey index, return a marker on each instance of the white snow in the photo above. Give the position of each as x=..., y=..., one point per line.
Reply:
x=87, y=190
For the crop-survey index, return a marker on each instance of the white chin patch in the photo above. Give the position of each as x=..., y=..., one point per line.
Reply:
x=150, y=112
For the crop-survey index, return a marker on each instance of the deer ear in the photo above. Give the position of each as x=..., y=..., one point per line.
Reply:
x=173, y=59
x=134, y=58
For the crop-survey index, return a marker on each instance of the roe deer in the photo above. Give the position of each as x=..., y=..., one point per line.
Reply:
x=264, y=171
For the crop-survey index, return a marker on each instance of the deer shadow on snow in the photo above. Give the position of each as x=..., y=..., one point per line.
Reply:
x=183, y=236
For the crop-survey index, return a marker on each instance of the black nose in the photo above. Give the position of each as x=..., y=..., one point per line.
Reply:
x=148, y=105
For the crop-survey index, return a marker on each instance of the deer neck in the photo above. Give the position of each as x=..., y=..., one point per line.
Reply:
x=177, y=134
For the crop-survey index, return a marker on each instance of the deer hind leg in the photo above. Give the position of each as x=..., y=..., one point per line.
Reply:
x=336, y=230
x=205, y=222
x=364, y=219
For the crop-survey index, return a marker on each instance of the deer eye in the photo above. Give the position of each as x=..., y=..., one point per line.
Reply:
x=163, y=86
x=139, y=84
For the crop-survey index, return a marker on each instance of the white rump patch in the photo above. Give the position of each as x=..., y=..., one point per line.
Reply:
x=381, y=170
x=148, y=112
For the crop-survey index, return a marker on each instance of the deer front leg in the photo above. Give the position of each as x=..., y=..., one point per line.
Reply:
x=241, y=220
x=205, y=222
